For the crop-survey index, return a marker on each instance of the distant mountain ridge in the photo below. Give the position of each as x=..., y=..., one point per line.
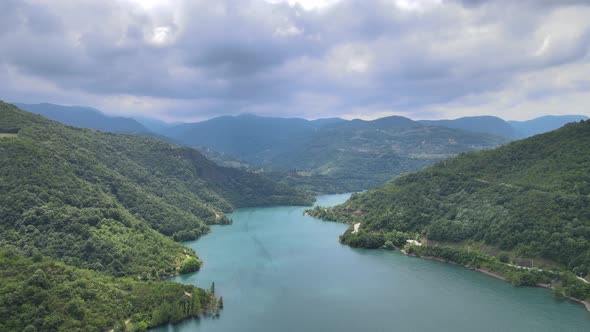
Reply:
x=543, y=124
x=86, y=117
x=324, y=155
x=272, y=130
x=486, y=124
x=329, y=155
x=511, y=129
x=248, y=137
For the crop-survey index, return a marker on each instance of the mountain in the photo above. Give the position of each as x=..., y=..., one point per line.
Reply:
x=155, y=125
x=330, y=155
x=530, y=198
x=543, y=124
x=86, y=117
x=112, y=204
x=359, y=154
x=483, y=124
x=248, y=137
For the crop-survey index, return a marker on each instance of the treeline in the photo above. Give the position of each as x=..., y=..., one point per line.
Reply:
x=40, y=294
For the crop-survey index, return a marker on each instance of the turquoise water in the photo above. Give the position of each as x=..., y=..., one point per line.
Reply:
x=279, y=270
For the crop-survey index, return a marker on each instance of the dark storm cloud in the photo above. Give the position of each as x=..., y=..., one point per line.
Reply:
x=231, y=56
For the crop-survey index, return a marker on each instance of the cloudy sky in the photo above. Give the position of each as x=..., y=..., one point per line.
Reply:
x=196, y=59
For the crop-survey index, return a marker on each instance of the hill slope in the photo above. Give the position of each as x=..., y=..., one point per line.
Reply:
x=86, y=117
x=483, y=124
x=39, y=294
x=248, y=137
x=360, y=154
x=331, y=155
x=112, y=203
x=531, y=197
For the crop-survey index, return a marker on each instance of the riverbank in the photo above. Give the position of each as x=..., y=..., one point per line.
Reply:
x=496, y=275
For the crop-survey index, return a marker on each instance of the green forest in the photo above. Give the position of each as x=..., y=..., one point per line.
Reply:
x=40, y=294
x=530, y=198
x=330, y=155
x=113, y=204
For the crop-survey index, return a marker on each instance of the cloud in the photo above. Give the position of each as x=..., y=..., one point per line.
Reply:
x=190, y=60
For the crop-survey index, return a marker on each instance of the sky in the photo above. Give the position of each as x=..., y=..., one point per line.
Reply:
x=190, y=60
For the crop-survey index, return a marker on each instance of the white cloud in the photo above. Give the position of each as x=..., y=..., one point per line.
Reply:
x=189, y=59
x=307, y=4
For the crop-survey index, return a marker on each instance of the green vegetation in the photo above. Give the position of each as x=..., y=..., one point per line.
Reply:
x=475, y=259
x=357, y=155
x=361, y=154
x=40, y=294
x=564, y=283
x=113, y=204
x=189, y=265
x=333, y=156
x=531, y=198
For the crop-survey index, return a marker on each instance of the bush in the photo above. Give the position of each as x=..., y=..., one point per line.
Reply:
x=503, y=257
x=190, y=265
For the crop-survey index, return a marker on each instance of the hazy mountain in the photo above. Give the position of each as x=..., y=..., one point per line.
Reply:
x=543, y=124
x=330, y=155
x=360, y=154
x=155, y=125
x=484, y=124
x=86, y=117
x=248, y=137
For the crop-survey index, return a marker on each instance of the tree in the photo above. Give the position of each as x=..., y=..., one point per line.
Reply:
x=190, y=265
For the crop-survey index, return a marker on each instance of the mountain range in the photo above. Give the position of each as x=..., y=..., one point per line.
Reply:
x=263, y=130
x=325, y=155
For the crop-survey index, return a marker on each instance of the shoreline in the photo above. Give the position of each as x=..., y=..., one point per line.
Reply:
x=495, y=275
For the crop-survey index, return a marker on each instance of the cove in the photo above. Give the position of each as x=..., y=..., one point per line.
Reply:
x=279, y=270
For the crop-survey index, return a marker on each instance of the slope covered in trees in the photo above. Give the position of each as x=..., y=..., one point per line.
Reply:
x=483, y=124
x=113, y=203
x=530, y=198
x=330, y=155
x=356, y=155
x=39, y=294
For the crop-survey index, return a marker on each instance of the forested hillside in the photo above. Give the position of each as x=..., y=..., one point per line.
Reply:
x=530, y=198
x=39, y=294
x=113, y=203
x=329, y=155
x=356, y=155
x=482, y=124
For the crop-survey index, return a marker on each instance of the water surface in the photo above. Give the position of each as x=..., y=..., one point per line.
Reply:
x=279, y=270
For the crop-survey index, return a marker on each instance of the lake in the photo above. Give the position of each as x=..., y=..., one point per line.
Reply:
x=279, y=270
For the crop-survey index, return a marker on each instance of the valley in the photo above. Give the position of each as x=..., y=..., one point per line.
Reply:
x=85, y=212
x=278, y=269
